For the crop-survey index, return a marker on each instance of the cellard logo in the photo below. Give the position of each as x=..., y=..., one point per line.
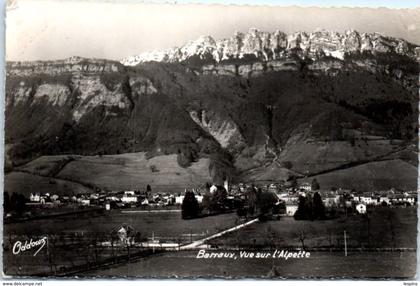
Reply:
x=24, y=246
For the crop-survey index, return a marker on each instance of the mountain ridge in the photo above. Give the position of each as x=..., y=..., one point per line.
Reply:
x=275, y=45
x=252, y=117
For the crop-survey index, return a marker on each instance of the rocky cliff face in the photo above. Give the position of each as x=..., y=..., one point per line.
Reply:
x=271, y=46
x=70, y=65
x=80, y=83
x=260, y=106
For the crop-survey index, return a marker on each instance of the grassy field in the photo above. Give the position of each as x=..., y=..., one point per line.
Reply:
x=71, y=174
x=388, y=227
x=371, y=176
x=323, y=155
x=71, y=238
x=26, y=184
x=319, y=265
x=165, y=224
x=284, y=234
x=52, y=260
x=135, y=171
x=46, y=165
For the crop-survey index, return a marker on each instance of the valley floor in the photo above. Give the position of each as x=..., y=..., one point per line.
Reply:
x=319, y=265
x=80, y=243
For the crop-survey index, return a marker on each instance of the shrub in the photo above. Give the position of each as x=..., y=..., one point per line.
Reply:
x=153, y=168
x=190, y=206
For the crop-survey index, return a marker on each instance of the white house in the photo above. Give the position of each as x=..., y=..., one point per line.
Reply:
x=384, y=199
x=124, y=234
x=112, y=198
x=179, y=199
x=366, y=200
x=361, y=208
x=199, y=199
x=331, y=200
x=306, y=187
x=129, y=199
x=129, y=193
x=35, y=197
x=301, y=193
x=291, y=209
x=403, y=198
x=94, y=196
x=213, y=188
x=287, y=198
x=85, y=202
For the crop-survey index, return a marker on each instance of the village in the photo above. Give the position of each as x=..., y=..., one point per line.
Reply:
x=286, y=194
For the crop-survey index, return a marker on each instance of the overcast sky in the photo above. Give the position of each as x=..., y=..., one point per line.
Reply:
x=42, y=30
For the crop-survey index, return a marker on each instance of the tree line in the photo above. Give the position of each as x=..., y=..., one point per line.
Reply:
x=14, y=203
x=255, y=203
x=310, y=207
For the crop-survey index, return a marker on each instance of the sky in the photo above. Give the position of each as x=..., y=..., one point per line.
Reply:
x=47, y=30
x=325, y=3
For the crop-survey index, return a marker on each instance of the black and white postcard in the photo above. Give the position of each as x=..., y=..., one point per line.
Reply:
x=146, y=140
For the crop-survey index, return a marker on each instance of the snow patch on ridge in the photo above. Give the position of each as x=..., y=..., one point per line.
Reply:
x=268, y=46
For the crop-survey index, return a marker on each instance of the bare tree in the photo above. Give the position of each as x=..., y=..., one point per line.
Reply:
x=138, y=237
x=302, y=236
x=270, y=236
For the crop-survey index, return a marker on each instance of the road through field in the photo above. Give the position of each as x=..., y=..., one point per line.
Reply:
x=199, y=242
x=152, y=211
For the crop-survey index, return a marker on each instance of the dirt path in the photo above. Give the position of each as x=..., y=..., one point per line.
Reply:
x=199, y=242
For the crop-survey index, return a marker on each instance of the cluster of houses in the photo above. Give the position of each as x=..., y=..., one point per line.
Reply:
x=108, y=200
x=289, y=196
x=331, y=198
x=122, y=199
x=349, y=198
x=285, y=194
